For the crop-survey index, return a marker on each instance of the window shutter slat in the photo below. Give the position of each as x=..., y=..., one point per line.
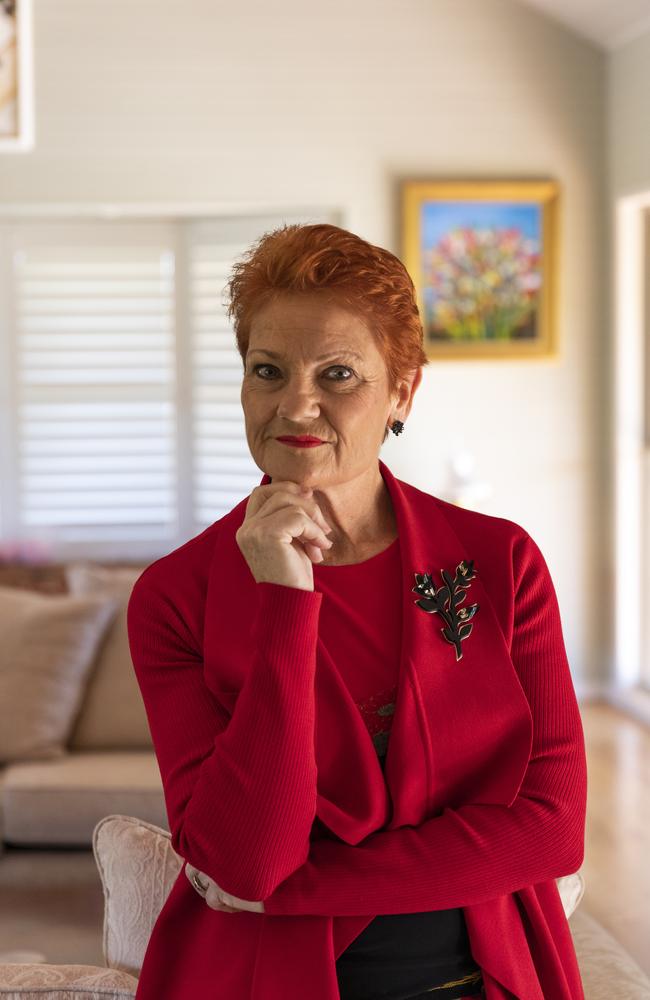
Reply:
x=224, y=471
x=95, y=376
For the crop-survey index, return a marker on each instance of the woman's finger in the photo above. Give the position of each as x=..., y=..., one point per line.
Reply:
x=218, y=899
x=214, y=896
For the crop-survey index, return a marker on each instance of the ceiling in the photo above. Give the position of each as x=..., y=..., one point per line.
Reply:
x=608, y=23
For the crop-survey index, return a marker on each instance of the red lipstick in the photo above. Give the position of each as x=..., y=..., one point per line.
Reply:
x=301, y=441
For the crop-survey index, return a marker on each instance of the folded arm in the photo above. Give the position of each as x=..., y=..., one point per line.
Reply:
x=240, y=792
x=476, y=851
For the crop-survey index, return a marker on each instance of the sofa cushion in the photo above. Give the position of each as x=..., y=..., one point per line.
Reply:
x=54, y=802
x=112, y=714
x=31, y=981
x=48, y=646
x=43, y=577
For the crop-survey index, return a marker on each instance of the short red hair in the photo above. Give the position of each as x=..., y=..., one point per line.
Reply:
x=357, y=275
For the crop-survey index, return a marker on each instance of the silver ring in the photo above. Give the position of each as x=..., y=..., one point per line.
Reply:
x=198, y=884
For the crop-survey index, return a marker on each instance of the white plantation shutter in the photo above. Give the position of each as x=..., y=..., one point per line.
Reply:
x=121, y=428
x=94, y=348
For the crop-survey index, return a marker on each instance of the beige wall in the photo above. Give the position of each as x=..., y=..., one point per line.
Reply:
x=289, y=104
x=628, y=118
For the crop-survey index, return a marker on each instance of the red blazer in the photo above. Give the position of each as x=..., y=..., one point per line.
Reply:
x=273, y=787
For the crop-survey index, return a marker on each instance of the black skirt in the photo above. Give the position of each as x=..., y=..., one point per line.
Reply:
x=401, y=956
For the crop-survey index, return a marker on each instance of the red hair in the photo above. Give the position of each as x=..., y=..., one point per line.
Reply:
x=366, y=279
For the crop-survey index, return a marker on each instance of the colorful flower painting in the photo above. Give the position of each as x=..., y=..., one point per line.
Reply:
x=482, y=263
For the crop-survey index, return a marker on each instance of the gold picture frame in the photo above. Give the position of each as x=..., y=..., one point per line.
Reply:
x=483, y=256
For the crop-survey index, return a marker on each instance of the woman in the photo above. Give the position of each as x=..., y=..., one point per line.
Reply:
x=358, y=693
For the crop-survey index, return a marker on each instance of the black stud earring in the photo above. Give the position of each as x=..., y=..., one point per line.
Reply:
x=397, y=427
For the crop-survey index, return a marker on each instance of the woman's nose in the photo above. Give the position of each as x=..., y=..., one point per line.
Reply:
x=298, y=402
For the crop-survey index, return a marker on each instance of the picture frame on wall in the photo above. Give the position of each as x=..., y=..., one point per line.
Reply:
x=483, y=256
x=16, y=76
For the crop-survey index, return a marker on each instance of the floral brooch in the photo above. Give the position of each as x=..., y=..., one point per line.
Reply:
x=445, y=600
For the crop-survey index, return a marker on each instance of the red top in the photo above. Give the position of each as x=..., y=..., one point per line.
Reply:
x=272, y=783
x=361, y=617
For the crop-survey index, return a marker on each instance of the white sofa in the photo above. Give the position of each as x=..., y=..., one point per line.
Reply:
x=108, y=764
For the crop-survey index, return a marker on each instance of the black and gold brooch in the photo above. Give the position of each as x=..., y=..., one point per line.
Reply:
x=444, y=601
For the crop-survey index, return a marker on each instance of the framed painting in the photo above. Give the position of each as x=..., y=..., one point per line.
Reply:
x=16, y=77
x=483, y=256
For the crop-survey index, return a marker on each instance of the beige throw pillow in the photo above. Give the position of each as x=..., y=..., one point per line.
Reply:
x=47, y=649
x=112, y=714
x=138, y=867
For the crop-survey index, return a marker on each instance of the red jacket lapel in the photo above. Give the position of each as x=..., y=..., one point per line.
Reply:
x=474, y=722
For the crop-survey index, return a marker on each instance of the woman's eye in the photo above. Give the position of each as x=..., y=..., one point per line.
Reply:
x=256, y=369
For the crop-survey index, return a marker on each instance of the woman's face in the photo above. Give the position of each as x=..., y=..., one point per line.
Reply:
x=313, y=368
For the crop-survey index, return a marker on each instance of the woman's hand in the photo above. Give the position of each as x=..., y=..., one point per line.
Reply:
x=282, y=534
x=217, y=898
